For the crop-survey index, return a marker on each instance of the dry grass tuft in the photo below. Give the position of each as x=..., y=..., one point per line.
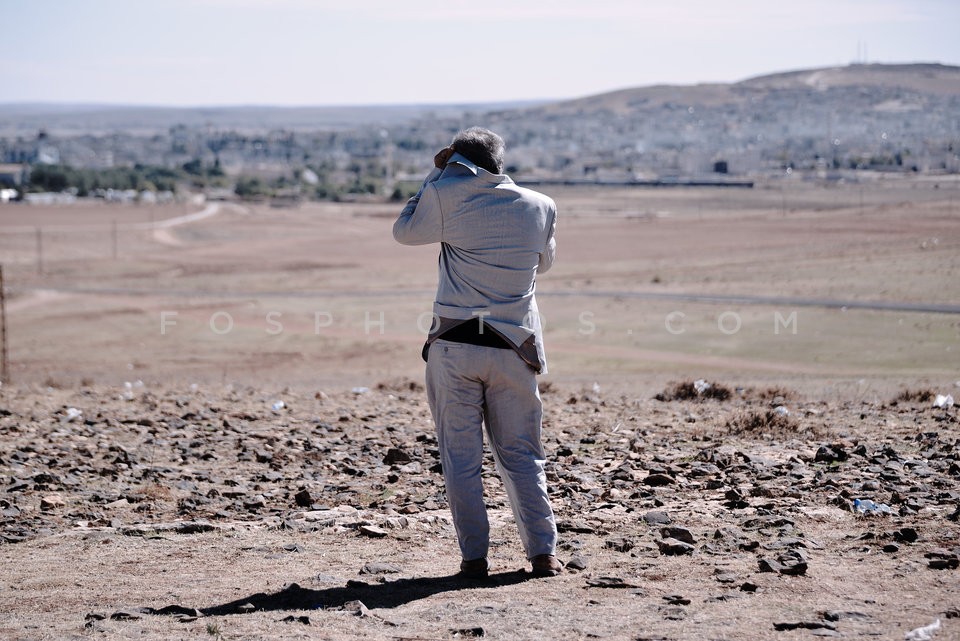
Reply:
x=771, y=394
x=402, y=384
x=767, y=424
x=155, y=492
x=694, y=391
x=915, y=396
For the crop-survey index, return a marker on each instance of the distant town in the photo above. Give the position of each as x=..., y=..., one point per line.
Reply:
x=847, y=123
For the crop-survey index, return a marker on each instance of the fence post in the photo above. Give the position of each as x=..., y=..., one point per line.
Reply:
x=4, y=364
x=39, y=251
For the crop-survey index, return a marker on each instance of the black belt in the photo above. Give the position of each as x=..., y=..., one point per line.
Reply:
x=470, y=332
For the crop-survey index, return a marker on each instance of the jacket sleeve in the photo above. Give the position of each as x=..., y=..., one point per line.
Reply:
x=549, y=252
x=421, y=220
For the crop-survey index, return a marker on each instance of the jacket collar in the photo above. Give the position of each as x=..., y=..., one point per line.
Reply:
x=479, y=172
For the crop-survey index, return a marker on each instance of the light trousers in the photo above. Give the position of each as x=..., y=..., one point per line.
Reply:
x=470, y=386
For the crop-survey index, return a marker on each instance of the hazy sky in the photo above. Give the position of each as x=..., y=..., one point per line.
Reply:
x=315, y=52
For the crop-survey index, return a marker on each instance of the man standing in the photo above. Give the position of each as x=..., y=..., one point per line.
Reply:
x=486, y=344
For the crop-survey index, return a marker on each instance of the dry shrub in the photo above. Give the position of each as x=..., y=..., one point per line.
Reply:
x=767, y=424
x=54, y=383
x=154, y=492
x=687, y=391
x=771, y=393
x=400, y=385
x=915, y=396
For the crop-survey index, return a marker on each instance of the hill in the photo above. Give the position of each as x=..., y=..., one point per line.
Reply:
x=888, y=117
x=933, y=79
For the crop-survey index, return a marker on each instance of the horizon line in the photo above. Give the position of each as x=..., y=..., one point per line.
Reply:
x=95, y=104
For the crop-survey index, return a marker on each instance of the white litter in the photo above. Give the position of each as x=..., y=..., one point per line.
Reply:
x=72, y=414
x=360, y=390
x=946, y=402
x=781, y=410
x=701, y=386
x=277, y=406
x=922, y=634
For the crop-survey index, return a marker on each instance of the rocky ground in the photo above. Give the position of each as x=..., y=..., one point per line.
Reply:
x=709, y=512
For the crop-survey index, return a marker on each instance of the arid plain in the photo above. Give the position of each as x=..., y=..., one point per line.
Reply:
x=147, y=460
x=649, y=284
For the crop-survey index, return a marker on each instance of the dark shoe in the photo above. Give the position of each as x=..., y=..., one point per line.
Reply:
x=546, y=565
x=475, y=569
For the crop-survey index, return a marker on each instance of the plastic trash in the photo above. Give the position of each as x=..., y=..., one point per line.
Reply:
x=867, y=506
x=127, y=391
x=72, y=414
x=701, y=386
x=277, y=406
x=781, y=410
x=360, y=390
x=943, y=401
x=922, y=634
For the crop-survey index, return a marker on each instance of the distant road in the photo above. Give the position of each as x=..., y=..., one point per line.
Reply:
x=576, y=182
x=773, y=301
x=710, y=299
x=212, y=209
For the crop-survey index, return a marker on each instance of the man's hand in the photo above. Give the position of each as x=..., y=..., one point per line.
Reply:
x=440, y=160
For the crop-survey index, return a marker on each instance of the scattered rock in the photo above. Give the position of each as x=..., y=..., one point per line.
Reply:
x=791, y=562
x=906, y=535
x=52, y=502
x=356, y=608
x=126, y=615
x=619, y=544
x=659, y=480
x=609, y=582
x=673, y=613
x=804, y=625
x=305, y=620
x=830, y=454
x=372, y=531
x=379, y=568
x=940, y=559
x=676, y=599
x=840, y=615
x=303, y=498
x=657, y=517
x=725, y=577
x=396, y=456
x=678, y=533
x=673, y=547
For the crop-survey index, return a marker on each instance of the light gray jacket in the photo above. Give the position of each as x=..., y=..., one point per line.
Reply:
x=494, y=236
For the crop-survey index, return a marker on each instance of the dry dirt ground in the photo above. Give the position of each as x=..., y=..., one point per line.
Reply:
x=680, y=519
x=145, y=460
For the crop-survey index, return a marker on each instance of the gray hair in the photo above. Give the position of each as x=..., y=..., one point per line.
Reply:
x=481, y=147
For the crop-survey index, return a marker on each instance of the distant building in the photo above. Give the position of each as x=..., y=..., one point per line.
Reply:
x=13, y=175
x=47, y=155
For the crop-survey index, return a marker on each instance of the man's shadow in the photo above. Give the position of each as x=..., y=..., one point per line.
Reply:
x=377, y=595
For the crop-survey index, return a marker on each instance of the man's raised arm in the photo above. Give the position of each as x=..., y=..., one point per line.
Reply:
x=421, y=221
